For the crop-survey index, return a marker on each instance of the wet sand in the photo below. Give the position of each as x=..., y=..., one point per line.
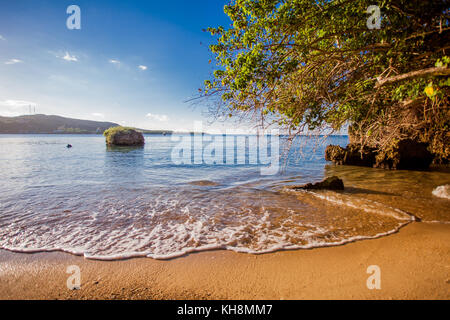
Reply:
x=414, y=263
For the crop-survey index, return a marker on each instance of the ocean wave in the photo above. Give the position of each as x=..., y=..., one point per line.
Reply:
x=176, y=254
x=359, y=203
x=166, y=224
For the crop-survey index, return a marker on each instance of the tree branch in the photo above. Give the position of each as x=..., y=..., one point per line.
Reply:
x=441, y=71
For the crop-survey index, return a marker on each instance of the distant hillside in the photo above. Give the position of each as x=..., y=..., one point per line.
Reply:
x=164, y=132
x=40, y=123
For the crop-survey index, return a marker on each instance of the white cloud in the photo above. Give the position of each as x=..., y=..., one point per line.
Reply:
x=13, y=108
x=16, y=103
x=68, y=57
x=114, y=61
x=2, y=37
x=98, y=115
x=13, y=61
x=143, y=68
x=158, y=117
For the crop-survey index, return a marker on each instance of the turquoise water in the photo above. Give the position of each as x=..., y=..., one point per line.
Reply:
x=112, y=203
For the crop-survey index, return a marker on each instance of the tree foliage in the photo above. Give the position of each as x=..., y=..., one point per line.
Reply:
x=308, y=64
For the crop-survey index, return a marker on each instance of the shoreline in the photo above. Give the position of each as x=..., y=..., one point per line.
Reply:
x=414, y=264
x=135, y=255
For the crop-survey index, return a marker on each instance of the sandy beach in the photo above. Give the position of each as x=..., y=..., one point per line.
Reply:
x=414, y=264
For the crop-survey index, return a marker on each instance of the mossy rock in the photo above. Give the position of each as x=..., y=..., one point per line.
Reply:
x=123, y=136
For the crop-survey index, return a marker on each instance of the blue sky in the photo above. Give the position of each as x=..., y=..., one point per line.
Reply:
x=132, y=62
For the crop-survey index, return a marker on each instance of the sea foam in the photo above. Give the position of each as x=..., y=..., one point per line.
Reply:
x=164, y=225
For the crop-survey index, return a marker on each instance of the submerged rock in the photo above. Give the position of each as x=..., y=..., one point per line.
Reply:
x=332, y=183
x=205, y=183
x=122, y=136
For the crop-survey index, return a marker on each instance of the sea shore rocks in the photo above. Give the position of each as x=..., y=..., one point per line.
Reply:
x=404, y=154
x=352, y=155
x=331, y=183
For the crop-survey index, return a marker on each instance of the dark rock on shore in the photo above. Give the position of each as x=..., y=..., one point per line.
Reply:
x=332, y=183
x=121, y=136
x=334, y=153
x=352, y=155
x=404, y=154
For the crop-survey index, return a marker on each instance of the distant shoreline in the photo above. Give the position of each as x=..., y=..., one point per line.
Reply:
x=51, y=124
x=159, y=133
x=74, y=133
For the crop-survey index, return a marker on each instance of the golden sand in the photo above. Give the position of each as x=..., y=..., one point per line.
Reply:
x=414, y=264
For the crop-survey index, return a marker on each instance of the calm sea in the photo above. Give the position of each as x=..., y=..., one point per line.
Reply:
x=113, y=203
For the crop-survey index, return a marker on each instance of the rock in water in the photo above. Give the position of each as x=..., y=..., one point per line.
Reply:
x=405, y=154
x=333, y=183
x=122, y=136
x=357, y=156
x=205, y=183
x=334, y=153
x=353, y=155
